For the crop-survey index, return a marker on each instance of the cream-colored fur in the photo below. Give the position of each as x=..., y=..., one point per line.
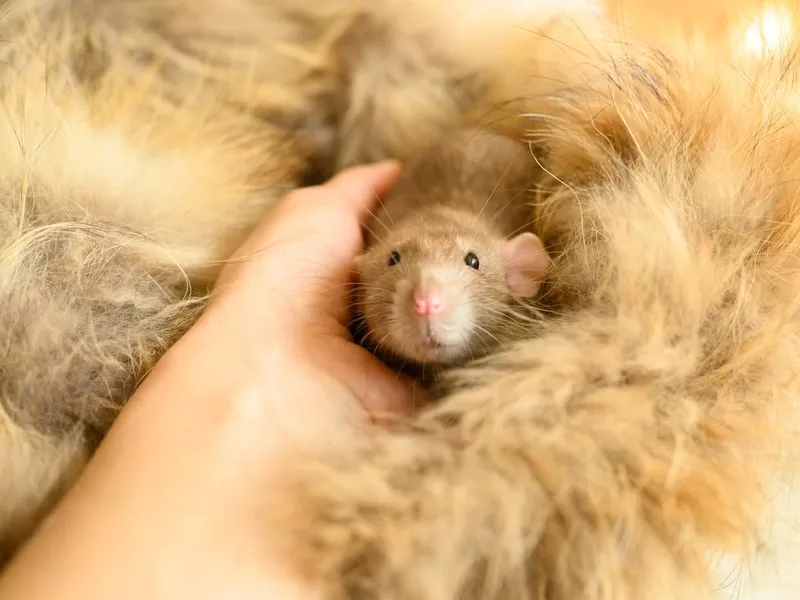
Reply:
x=608, y=456
x=602, y=458
x=117, y=198
x=140, y=140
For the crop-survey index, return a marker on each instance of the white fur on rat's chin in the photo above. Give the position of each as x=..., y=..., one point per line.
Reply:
x=453, y=330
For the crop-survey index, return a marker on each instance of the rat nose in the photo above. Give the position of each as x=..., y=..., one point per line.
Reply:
x=428, y=302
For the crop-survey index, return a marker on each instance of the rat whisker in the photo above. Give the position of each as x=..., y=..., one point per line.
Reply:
x=370, y=302
x=489, y=197
x=378, y=344
x=386, y=210
x=467, y=342
x=377, y=218
x=491, y=335
x=548, y=311
x=403, y=366
x=511, y=202
x=374, y=286
x=372, y=233
x=520, y=229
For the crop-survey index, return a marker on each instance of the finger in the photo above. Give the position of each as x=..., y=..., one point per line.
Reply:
x=378, y=388
x=304, y=250
x=330, y=214
x=360, y=187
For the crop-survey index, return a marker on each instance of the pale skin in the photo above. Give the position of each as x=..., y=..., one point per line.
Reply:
x=171, y=504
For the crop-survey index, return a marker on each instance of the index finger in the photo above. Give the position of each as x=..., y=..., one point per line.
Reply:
x=360, y=187
x=312, y=213
x=304, y=248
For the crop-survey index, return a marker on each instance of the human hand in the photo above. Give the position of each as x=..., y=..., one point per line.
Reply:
x=287, y=286
x=171, y=505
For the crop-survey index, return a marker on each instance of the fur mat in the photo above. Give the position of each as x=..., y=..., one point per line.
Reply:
x=604, y=457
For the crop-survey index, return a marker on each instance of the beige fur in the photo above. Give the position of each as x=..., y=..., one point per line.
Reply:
x=140, y=141
x=605, y=458
x=104, y=219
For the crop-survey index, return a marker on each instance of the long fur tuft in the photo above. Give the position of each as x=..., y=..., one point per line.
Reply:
x=140, y=141
x=118, y=203
x=602, y=458
x=640, y=429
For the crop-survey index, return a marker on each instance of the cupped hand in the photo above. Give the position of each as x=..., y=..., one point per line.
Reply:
x=287, y=287
x=172, y=503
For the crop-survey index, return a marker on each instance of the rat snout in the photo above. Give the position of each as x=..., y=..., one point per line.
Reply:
x=433, y=314
x=428, y=300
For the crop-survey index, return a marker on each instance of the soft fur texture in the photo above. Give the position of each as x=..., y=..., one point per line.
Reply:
x=602, y=458
x=140, y=141
x=606, y=457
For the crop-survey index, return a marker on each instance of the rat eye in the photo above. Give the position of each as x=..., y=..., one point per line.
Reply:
x=472, y=261
x=394, y=258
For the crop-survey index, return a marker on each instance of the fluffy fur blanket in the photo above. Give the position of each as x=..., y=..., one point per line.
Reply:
x=603, y=457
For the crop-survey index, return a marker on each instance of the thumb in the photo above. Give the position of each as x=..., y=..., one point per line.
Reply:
x=360, y=187
x=379, y=389
x=313, y=233
x=346, y=198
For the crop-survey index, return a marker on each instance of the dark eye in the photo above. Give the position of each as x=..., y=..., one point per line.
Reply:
x=472, y=261
x=394, y=258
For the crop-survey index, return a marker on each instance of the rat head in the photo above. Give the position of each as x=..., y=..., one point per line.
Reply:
x=437, y=288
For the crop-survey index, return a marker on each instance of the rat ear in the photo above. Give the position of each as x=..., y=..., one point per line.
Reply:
x=527, y=261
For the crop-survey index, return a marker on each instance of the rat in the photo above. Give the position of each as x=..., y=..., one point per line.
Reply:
x=449, y=255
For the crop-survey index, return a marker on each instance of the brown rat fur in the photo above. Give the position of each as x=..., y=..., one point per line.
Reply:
x=466, y=197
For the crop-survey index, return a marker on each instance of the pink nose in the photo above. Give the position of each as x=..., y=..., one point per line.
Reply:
x=428, y=302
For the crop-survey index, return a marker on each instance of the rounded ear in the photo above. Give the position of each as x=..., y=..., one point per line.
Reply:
x=526, y=262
